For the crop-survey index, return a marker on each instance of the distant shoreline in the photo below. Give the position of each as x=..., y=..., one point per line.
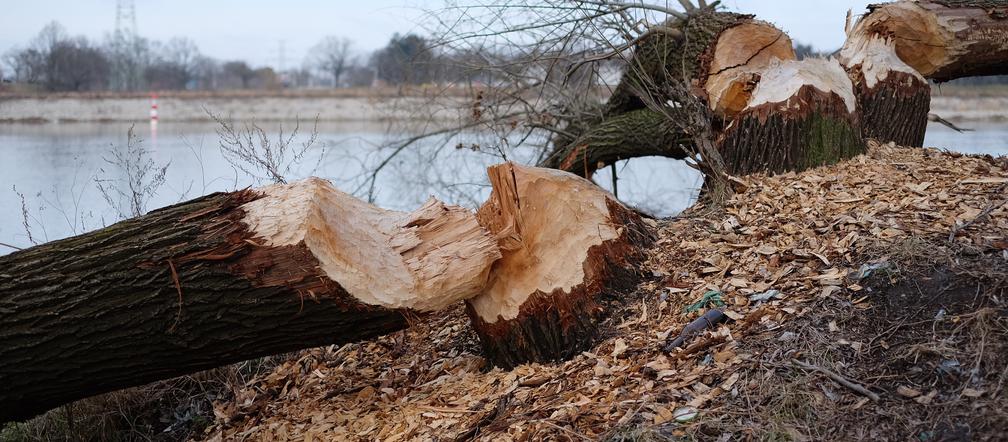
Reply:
x=973, y=104
x=195, y=108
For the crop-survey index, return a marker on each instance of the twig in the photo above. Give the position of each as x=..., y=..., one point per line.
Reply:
x=861, y=389
x=178, y=287
x=983, y=215
x=8, y=245
x=935, y=118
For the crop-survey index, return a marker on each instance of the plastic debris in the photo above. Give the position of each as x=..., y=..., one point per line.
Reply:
x=867, y=269
x=685, y=414
x=712, y=297
x=707, y=321
x=766, y=296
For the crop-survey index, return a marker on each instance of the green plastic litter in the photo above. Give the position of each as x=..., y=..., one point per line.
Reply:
x=711, y=297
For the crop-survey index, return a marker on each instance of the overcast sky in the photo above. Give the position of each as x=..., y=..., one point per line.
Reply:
x=252, y=29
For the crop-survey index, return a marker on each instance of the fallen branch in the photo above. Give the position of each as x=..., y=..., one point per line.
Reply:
x=983, y=214
x=856, y=387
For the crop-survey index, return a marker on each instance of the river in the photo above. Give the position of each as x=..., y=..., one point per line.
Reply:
x=56, y=168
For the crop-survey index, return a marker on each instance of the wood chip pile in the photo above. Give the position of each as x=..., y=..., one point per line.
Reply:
x=780, y=243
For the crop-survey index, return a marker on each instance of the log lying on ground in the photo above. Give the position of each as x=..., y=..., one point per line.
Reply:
x=638, y=133
x=569, y=249
x=942, y=39
x=220, y=279
x=805, y=115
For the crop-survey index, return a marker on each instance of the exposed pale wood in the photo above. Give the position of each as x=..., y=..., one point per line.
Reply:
x=568, y=248
x=741, y=53
x=802, y=114
x=942, y=40
x=425, y=260
x=220, y=279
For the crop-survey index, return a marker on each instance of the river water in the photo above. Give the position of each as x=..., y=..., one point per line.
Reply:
x=56, y=168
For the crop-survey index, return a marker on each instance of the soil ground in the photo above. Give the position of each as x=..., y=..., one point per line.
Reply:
x=867, y=302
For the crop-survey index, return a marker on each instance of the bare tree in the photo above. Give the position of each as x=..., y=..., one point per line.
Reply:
x=332, y=57
x=132, y=179
x=250, y=149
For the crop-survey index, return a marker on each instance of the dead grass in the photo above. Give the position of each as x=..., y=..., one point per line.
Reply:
x=871, y=289
x=172, y=410
x=805, y=235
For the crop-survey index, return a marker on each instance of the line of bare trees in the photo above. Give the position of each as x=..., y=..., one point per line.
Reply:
x=54, y=60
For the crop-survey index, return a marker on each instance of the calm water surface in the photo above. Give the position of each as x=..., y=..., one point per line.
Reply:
x=55, y=167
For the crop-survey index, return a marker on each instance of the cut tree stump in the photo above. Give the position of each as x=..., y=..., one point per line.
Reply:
x=894, y=99
x=569, y=249
x=894, y=50
x=801, y=114
x=771, y=113
x=221, y=279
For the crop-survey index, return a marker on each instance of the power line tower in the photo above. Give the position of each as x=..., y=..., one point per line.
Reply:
x=126, y=24
x=126, y=44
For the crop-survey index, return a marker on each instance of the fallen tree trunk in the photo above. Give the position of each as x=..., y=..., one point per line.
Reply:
x=638, y=133
x=893, y=50
x=771, y=113
x=220, y=279
x=942, y=39
x=569, y=250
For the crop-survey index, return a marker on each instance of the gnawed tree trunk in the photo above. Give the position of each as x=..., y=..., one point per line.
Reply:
x=893, y=50
x=894, y=99
x=805, y=114
x=802, y=114
x=569, y=249
x=220, y=279
x=942, y=39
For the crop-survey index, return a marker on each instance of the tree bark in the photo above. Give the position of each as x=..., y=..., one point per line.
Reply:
x=220, y=279
x=942, y=39
x=771, y=113
x=638, y=133
x=569, y=251
x=803, y=114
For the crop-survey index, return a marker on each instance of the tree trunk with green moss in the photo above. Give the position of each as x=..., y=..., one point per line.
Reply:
x=671, y=68
x=642, y=132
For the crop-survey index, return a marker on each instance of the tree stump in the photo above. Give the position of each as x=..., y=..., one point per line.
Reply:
x=569, y=250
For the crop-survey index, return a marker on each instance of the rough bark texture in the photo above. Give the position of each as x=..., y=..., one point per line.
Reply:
x=767, y=139
x=944, y=39
x=896, y=109
x=637, y=133
x=725, y=60
x=556, y=322
x=660, y=58
x=104, y=311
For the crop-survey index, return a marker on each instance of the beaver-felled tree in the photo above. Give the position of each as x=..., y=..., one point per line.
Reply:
x=221, y=279
x=569, y=249
x=894, y=49
x=770, y=111
x=765, y=118
x=234, y=276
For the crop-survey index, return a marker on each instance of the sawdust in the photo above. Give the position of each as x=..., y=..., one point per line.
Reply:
x=818, y=237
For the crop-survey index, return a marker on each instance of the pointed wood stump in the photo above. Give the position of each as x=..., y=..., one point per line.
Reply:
x=569, y=249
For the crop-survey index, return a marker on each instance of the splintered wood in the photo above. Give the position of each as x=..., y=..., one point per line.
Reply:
x=780, y=244
x=426, y=260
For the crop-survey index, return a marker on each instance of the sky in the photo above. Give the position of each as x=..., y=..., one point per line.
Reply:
x=253, y=30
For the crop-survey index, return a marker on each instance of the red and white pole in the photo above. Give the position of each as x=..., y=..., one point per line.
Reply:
x=153, y=118
x=153, y=108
